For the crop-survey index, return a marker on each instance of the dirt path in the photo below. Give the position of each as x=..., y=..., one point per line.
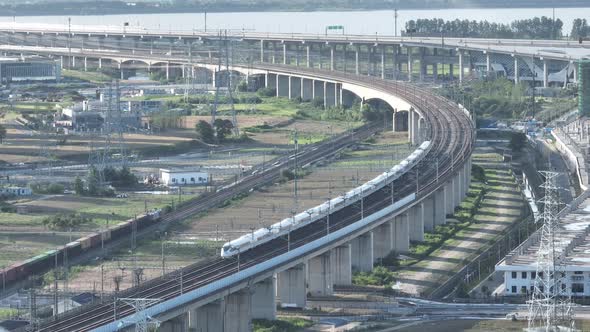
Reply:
x=500, y=208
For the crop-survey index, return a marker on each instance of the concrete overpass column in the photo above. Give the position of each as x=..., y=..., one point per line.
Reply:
x=73, y=62
x=393, y=120
x=575, y=73
x=285, y=53
x=457, y=190
x=416, y=215
x=297, y=55
x=451, y=70
x=306, y=89
x=99, y=63
x=449, y=197
x=545, y=73
x=319, y=272
x=461, y=68
x=214, y=79
x=416, y=128
x=120, y=66
x=325, y=95
x=410, y=66
x=383, y=62
x=402, y=233
x=516, y=70
x=488, y=63
x=435, y=71
x=410, y=124
x=308, y=55
x=440, y=213
x=428, y=208
x=291, y=286
x=394, y=61
x=176, y=324
x=361, y=250
x=357, y=67
x=422, y=64
x=85, y=63
x=332, y=64
x=207, y=318
x=167, y=70
x=290, y=86
x=263, y=299
x=383, y=240
x=262, y=50
x=238, y=312
x=183, y=71
x=342, y=265
x=61, y=61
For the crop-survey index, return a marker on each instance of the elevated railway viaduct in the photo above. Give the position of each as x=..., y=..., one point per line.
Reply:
x=225, y=294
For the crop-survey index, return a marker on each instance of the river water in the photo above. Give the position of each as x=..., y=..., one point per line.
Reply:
x=354, y=22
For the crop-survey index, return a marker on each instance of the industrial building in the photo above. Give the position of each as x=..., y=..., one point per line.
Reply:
x=572, y=237
x=91, y=115
x=180, y=177
x=18, y=69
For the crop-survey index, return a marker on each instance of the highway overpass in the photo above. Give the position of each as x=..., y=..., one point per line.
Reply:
x=548, y=62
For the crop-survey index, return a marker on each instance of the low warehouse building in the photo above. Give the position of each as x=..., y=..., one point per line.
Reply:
x=182, y=177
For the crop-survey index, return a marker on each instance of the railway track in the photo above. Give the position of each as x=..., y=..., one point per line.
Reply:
x=451, y=134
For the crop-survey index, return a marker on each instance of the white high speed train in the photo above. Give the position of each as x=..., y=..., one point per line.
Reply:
x=263, y=235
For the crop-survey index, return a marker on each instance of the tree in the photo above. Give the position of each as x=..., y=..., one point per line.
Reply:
x=517, y=141
x=79, y=186
x=93, y=182
x=2, y=133
x=205, y=132
x=223, y=128
x=243, y=86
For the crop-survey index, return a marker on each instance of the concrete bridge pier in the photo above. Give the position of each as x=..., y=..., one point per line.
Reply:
x=439, y=210
x=263, y=299
x=319, y=275
x=402, y=233
x=461, y=67
x=308, y=55
x=383, y=240
x=318, y=90
x=342, y=265
x=410, y=64
x=238, y=312
x=516, y=70
x=208, y=317
x=282, y=86
x=414, y=127
x=99, y=63
x=85, y=63
x=295, y=87
x=416, y=215
x=177, y=324
x=357, y=65
x=331, y=95
x=306, y=89
x=450, y=202
x=291, y=286
x=362, y=253
x=428, y=213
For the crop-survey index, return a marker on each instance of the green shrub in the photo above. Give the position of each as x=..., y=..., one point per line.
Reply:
x=65, y=221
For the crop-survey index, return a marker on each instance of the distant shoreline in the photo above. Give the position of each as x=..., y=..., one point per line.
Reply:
x=77, y=10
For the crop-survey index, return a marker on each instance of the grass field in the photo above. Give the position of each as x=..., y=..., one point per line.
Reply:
x=100, y=209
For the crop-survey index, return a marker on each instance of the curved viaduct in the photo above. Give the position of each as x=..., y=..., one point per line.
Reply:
x=225, y=294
